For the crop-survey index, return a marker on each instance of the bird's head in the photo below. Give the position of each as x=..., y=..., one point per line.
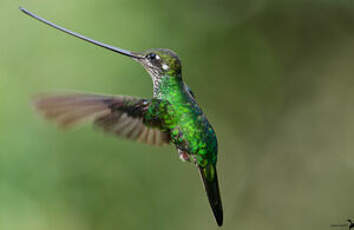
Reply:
x=160, y=62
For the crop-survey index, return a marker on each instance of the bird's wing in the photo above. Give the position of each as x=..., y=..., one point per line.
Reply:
x=120, y=115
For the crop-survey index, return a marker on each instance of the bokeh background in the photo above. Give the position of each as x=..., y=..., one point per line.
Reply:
x=275, y=78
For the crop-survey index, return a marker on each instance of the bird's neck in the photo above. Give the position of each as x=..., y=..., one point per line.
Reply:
x=169, y=87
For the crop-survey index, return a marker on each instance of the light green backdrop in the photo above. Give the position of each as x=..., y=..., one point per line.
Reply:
x=275, y=78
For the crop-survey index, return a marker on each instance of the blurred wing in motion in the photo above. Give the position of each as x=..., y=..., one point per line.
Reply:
x=120, y=115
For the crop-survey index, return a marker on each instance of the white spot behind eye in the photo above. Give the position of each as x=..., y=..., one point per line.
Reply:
x=165, y=67
x=157, y=57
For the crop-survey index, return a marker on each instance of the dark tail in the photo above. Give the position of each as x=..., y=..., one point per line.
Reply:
x=211, y=185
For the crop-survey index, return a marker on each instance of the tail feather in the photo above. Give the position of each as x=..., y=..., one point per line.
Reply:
x=211, y=185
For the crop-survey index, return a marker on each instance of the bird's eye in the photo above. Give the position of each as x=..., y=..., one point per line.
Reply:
x=151, y=56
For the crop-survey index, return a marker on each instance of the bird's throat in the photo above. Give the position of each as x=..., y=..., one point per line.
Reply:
x=169, y=88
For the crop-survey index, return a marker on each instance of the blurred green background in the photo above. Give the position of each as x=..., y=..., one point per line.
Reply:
x=275, y=78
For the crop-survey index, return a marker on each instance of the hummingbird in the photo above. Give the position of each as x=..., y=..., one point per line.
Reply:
x=171, y=116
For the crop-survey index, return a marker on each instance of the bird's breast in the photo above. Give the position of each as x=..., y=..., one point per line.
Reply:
x=193, y=131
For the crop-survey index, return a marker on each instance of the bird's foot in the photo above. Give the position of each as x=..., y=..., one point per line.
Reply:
x=184, y=156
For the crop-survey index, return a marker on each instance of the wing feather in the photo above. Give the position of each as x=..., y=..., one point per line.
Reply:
x=119, y=115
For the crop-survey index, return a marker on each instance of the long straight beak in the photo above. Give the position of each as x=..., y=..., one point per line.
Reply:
x=112, y=48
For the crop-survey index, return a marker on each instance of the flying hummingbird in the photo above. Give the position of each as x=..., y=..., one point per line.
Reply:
x=172, y=115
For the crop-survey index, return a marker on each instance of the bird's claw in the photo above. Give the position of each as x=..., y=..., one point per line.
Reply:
x=184, y=156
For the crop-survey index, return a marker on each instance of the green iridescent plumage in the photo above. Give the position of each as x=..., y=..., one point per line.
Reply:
x=184, y=120
x=171, y=116
x=189, y=128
